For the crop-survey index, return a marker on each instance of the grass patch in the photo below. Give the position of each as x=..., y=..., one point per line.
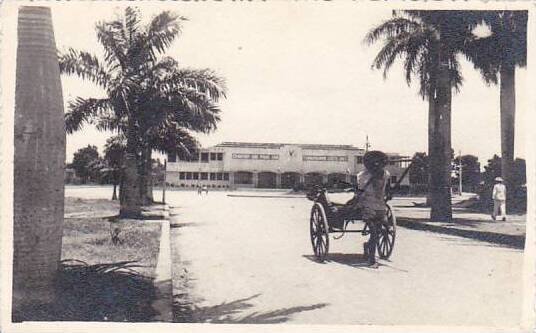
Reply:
x=88, y=238
x=100, y=280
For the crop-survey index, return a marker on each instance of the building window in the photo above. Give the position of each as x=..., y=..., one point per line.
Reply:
x=219, y=156
x=226, y=176
x=240, y=156
x=188, y=175
x=359, y=159
x=172, y=157
x=182, y=175
x=204, y=157
x=325, y=158
x=212, y=176
x=195, y=175
x=393, y=179
x=219, y=176
x=213, y=156
x=204, y=176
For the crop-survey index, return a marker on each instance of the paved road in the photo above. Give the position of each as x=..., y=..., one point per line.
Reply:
x=249, y=260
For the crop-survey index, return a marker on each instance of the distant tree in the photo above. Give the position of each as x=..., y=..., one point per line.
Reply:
x=470, y=172
x=114, y=154
x=492, y=170
x=97, y=171
x=418, y=173
x=82, y=162
x=516, y=193
x=519, y=173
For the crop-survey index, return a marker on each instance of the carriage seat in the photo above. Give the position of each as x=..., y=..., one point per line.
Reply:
x=340, y=198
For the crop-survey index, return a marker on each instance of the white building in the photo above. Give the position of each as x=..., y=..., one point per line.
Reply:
x=272, y=165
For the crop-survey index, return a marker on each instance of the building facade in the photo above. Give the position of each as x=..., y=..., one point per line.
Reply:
x=234, y=165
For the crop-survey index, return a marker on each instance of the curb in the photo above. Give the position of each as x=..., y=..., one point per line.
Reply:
x=514, y=241
x=163, y=282
x=266, y=196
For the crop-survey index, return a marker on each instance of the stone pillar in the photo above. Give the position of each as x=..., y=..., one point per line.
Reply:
x=324, y=179
x=39, y=159
x=255, y=179
x=302, y=178
x=278, y=180
x=231, y=181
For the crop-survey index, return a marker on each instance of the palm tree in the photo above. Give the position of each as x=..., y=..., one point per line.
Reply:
x=169, y=120
x=497, y=56
x=138, y=84
x=429, y=42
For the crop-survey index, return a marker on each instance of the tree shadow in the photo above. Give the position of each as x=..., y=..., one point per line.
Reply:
x=469, y=243
x=514, y=241
x=101, y=292
x=229, y=312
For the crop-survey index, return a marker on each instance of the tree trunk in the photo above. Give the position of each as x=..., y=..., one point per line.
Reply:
x=149, y=177
x=121, y=184
x=431, y=122
x=146, y=189
x=441, y=153
x=508, y=110
x=114, y=195
x=130, y=199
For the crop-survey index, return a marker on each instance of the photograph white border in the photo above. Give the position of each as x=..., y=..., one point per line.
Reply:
x=8, y=12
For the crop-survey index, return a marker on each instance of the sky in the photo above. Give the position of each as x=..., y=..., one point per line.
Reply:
x=299, y=73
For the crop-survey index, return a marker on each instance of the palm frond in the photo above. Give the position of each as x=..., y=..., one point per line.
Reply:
x=391, y=28
x=85, y=65
x=174, y=139
x=132, y=23
x=83, y=111
x=204, y=80
x=161, y=32
x=195, y=111
x=111, y=36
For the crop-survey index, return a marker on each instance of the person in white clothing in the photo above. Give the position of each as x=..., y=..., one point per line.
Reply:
x=499, y=200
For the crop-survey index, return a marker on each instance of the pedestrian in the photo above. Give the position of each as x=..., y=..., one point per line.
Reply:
x=499, y=200
x=372, y=183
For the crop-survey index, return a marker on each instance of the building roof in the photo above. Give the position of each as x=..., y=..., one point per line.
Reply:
x=272, y=145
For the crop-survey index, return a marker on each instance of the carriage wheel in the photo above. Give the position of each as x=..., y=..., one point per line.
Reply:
x=386, y=235
x=319, y=232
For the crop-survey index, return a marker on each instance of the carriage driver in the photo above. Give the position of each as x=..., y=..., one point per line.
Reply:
x=372, y=183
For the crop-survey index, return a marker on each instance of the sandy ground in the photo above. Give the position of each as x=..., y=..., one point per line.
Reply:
x=249, y=260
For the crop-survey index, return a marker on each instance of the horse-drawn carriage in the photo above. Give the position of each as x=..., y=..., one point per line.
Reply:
x=330, y=217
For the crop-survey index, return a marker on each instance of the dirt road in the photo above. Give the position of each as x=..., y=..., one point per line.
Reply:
x=249, y=260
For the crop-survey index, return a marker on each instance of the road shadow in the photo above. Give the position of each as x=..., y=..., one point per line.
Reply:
x=230, y=312
x=354, y=260
x=177, y=225
x=348, y=259
x=514, y=241
x=102, y=292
